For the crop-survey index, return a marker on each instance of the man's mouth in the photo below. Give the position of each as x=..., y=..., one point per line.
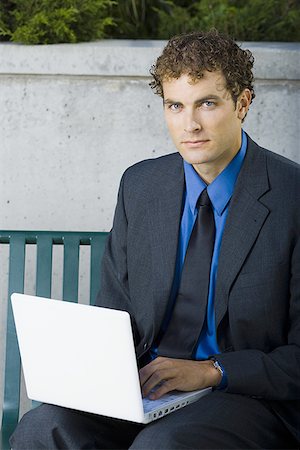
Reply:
x=194, y=143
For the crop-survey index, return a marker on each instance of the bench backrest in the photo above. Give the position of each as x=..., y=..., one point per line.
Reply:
x=44, y=243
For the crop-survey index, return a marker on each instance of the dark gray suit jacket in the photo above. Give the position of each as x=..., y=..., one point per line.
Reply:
x=257, y=301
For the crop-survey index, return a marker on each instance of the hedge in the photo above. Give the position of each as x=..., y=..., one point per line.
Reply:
x=56, y=21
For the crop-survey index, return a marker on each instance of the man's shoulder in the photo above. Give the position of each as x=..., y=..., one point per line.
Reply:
x=274, y=176
x=276, y=163
x=161, y=163
x=154, y=171
x=151, y=178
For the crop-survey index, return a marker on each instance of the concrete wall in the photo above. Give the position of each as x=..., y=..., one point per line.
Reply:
x=73, y=117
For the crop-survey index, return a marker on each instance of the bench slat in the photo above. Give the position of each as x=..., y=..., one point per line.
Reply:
x=44, y=265
x=13, y=362
x=71, y=267
x=97, y=249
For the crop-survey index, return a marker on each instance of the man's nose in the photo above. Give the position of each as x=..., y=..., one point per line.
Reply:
x=192, y=124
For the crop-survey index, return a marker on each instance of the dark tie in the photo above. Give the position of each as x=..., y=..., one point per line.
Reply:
x=181, y=337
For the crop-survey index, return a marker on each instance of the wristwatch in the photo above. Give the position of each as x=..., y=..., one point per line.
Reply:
x=218, y=367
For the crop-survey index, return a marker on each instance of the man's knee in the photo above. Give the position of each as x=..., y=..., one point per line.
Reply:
x=158, y=435
x=36, y=429
x=52, y=427
x=216, y=421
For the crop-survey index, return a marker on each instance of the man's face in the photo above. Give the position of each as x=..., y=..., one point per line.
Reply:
x=204, y=122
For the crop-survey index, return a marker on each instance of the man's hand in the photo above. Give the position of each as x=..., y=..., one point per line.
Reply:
x=167, y=374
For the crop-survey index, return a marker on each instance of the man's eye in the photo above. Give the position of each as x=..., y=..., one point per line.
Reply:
x=174, y=106
x=208, y=104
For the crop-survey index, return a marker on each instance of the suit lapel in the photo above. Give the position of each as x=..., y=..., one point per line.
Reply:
x=246, y=217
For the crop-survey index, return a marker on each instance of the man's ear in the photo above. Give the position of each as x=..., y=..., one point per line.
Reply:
x=243, y=103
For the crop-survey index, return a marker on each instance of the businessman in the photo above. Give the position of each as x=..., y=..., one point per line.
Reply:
x=204, y=254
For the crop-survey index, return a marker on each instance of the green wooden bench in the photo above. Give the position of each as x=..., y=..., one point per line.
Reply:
x=43, y=244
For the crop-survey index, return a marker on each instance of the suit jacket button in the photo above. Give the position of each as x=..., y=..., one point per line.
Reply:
x=145, y=345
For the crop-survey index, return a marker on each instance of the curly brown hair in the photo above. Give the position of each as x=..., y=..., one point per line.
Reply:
x=197, y=52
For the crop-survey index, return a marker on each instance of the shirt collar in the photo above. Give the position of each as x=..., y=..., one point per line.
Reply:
x=221, y=189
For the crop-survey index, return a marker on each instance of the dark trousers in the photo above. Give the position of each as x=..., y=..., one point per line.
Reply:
x=216, y=421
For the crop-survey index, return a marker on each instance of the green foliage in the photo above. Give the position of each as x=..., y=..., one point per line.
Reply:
x=270, y=21
x=220, y=14
x=4, y=30
x=251, y=20
x=176, y=21
x=5, y=25
x=54, y=21
x=138, y=19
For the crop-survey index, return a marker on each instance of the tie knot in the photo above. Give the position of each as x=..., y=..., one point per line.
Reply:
x=204, y=199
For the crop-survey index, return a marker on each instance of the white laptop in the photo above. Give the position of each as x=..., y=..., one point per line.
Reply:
x=83, y=357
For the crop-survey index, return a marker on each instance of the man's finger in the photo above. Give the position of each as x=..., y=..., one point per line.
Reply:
x=154, y=381
x=164, y=388
x=146, y=371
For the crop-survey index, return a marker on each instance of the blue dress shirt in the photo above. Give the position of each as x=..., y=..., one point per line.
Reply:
x=220, y=192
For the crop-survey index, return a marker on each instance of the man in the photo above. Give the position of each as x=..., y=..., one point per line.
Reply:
x=204, y=254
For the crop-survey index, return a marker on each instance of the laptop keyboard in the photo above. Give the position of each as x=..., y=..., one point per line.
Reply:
x=150, y=405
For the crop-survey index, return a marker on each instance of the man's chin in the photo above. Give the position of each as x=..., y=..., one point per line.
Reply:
x=196, y=160
x=195, y=156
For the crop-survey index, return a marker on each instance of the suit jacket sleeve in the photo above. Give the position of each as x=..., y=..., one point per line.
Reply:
x=114, y=291
x=274, y=375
